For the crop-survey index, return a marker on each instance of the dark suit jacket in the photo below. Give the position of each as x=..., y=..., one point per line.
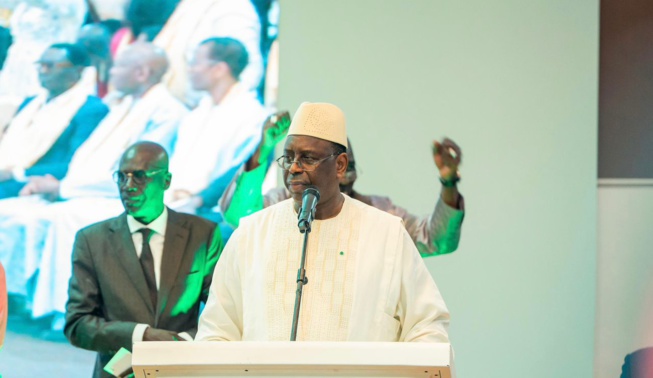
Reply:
x=108, y=295
x=56, y=160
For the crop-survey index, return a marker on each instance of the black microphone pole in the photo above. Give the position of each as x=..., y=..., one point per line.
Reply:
x=305, y=228
x=301, y=281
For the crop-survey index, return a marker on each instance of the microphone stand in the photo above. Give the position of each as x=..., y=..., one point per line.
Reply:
x=301, y=281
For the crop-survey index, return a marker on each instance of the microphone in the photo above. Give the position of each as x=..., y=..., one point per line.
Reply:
x=310, y=198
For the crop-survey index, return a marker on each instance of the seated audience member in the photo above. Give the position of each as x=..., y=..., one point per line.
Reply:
x=216, y=138
x=142, y=275
x=196, y=20
x=366, y=280
x=436, y=234
x=47, y=130
x=148, y=112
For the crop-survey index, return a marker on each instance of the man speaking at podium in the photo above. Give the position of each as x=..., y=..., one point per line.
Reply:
x=365, y=278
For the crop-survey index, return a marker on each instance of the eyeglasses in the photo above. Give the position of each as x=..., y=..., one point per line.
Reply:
x=307, y=164
x=139, y=177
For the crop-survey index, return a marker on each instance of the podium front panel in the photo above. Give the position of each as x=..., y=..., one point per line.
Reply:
x=292, y=359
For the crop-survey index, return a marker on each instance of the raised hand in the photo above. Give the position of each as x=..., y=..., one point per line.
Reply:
x=447, y=157
x=275, y=129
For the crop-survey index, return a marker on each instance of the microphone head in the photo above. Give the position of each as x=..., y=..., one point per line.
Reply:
x=312, y=190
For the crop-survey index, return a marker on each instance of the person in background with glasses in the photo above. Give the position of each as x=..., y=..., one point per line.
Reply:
x=366, y=279
x=435, y=234
x=48, y=128
x=142, y=275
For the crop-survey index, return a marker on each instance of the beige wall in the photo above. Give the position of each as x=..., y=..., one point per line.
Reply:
x=515, y=84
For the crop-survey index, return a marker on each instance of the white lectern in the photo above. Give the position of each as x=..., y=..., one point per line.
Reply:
x=292, y=359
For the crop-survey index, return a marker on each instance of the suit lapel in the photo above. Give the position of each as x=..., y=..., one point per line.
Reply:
x=174, y=248
x=128, y=258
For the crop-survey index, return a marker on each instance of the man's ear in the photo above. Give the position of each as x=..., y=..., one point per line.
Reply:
x=342, y=161
x=167, y=180
x=221, y=69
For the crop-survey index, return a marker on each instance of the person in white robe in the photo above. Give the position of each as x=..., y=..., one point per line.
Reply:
x=196, y=20
x=366, y=279
x=148, y=112
x=49, y=127
x=218, y=136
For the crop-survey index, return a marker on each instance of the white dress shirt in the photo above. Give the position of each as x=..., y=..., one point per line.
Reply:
x=158, y=226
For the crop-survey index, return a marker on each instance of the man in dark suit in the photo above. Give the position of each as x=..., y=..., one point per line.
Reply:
x=66, y=107
x=142, y=275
